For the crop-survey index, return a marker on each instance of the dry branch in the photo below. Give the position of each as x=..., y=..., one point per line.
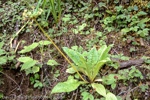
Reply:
x=131, y=63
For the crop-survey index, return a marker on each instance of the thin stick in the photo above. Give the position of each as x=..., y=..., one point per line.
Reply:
x=17, y=46
x=18, y=33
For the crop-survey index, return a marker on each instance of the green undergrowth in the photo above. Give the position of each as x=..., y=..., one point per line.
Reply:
x=83, y=30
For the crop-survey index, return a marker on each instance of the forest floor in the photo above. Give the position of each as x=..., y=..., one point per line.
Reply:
x=126, y=25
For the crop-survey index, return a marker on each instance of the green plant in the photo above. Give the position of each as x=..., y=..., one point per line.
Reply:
x=34, y=80
x=3, y=59
x=54, y=8
x=34, y=45
x=131, y=75
x=132, y=49
x=123, y=20
x=9, y=11
x=5, y=56
x=89, y=65
x=112, y=79
x=87, y=96
x=30, y=65
x=79, y=29
x=1, y=95
x=144, y=87
x=121, y=57
x=45, y=14
x=53, y=63
x=66, y=18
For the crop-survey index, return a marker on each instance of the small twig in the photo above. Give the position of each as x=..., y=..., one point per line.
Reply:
x=115, y=51
x=133, y=89
x=13, y=90
x=18, y=33
x=17, y=46
x=129, y=90
x=132, y=63
x=76, y=95
x=41, y=75
x=16, y=38
x=123, y=92
x=31, y=54
x=22, y=79
x=107, y=71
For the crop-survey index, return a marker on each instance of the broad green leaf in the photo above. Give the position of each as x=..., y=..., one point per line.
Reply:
x=2, y=51
x=38, y=84
x=35, y=69
x=99, y=88
x=80, y=49
x=1, y=95
x=77, y=76
x=81, y=27
x=87, y=96
x=66, y=19
x=28, y=71
x=24, y=59
x=76, y=57
x=44, y=42
x=148, y=61
x=3, y=60
x=95, y=9
x=113, y=86
x=144, y=20
x=141, y=13
x=85, y=53
x=109, y=12
x=28, y=64
x=102, y=5
x=36, y=76
x=1, y=44
x=70, y=70
x=11, y=57
x=103, y=51
x=80, y=69
x=68, y=86
x=111, y=96
x=92, y=57
x=29, y=48
x=125, y=30
x=74, y=47
x=52, y=62
x=97, y=68
x=75, y=31
x=135, y=28
x=110, y=79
